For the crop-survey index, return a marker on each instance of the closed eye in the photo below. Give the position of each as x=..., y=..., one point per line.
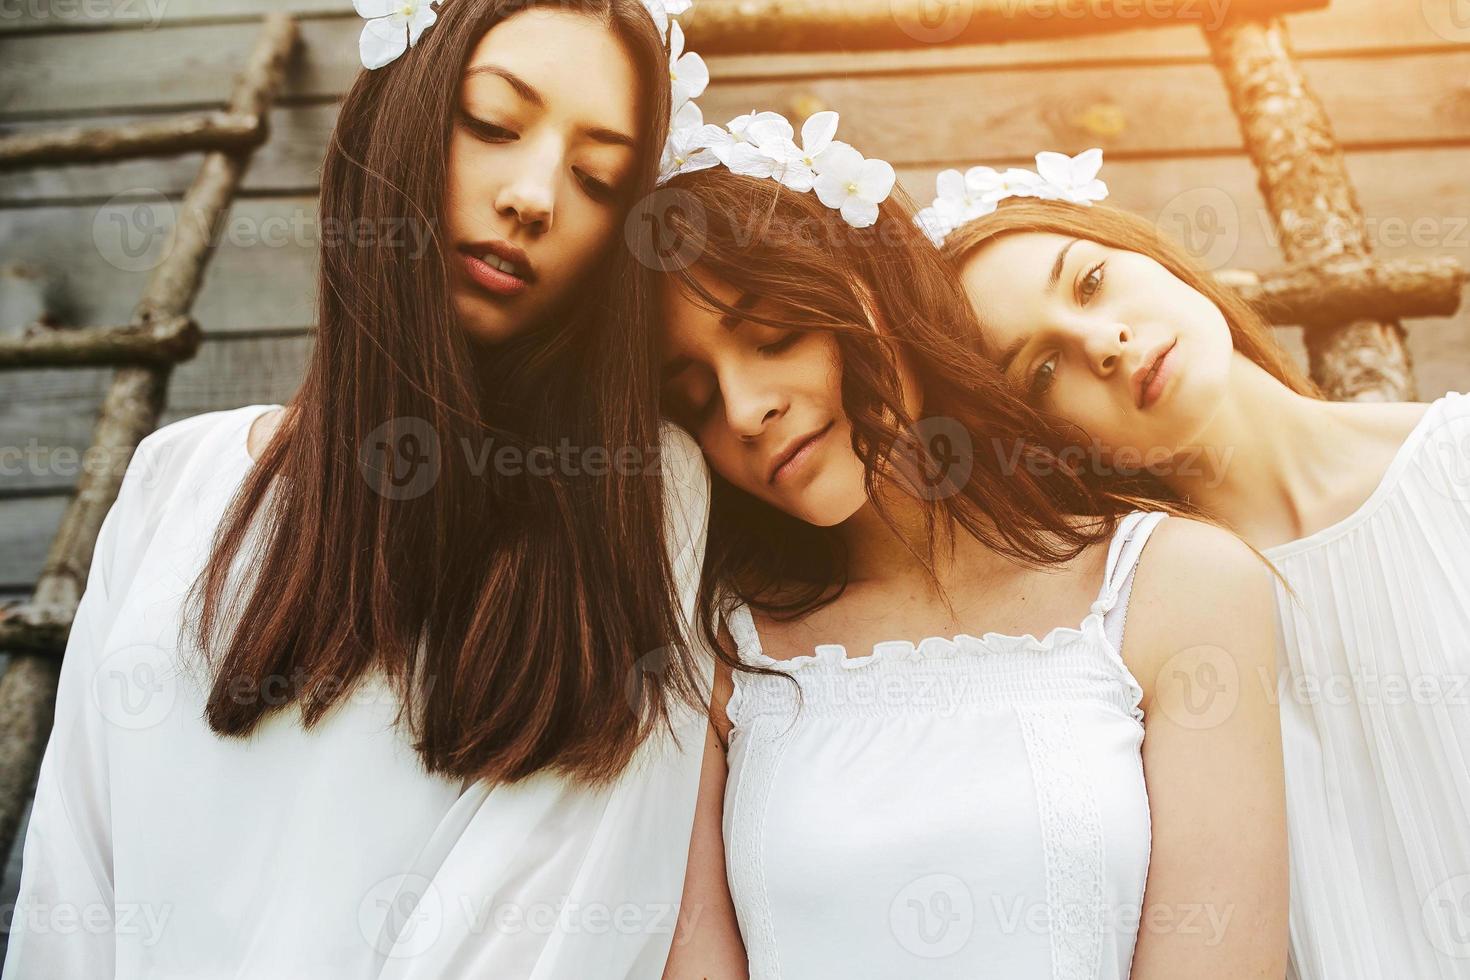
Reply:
x=782, y=344
x=487, y=131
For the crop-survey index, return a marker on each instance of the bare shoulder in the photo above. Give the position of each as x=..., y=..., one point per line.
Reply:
x=1199, y=586
x=263, y=429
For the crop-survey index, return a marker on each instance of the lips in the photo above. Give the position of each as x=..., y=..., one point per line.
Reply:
x=498, y=267
x=1143, y=378
x=795, y=453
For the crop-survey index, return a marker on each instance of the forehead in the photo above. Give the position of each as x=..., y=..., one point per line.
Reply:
x=556, y=52
x=687, y=321
x=1007, y=280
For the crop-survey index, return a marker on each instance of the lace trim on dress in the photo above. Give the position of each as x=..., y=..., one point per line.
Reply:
x=1071, y=837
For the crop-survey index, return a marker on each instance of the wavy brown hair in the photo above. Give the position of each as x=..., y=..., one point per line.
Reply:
x=889, y=298
x=509, y=612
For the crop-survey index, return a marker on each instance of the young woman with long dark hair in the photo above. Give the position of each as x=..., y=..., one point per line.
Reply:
x=1183, y=396
x=393, y=680
x=1025, y=792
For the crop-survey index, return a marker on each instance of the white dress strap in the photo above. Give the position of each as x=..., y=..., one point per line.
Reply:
x=1124, y=551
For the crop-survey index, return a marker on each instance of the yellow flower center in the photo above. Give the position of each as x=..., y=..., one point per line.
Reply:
x=852, y=188
x=406, y=10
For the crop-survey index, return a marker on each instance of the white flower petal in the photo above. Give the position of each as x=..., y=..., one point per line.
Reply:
x=831, y=189
x=875, y=181
x=1054, y=168
x=859, y=213
x=687, y=118
x=840, y=160
x=1085, y=165
x=371, y=9
x=677, y=7
x=817, y=131
x=381, y=42
x=950, y=184
x=797, y=176
x=676, y=42
x=746, y=159
x=420, y=20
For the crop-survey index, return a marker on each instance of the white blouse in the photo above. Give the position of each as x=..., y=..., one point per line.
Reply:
x=157, y=849
x=967, y=807
x=1375, y=720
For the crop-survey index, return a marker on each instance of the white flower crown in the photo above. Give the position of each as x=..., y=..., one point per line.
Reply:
x=758, y=144
x=964, y=197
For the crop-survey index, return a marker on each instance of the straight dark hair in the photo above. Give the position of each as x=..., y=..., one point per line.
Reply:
x=509, y=612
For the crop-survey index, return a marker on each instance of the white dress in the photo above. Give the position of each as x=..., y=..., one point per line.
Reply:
x=1375, y=720
x=965, y=808
x=158, y=850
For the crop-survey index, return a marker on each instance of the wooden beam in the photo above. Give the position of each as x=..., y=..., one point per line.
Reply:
x=773, y=26
x=1304, y=180
x=195, y=133
x=129, y=412
x=1354, y=288
x=164, y=340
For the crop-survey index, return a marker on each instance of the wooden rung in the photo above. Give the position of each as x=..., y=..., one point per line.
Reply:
x=193, y=133
x=27, y=629
x=1347, y=289
x=163, y=340
x=773, y=26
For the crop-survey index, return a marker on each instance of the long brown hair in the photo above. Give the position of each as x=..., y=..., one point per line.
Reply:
x=508, y=610
x=889, y=298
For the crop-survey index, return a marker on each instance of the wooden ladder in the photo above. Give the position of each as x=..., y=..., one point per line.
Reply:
x=160, y=335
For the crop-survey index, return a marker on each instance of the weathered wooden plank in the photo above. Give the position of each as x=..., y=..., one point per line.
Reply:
x=1004, y=116
x=146, y=15
x=263, y=274
x=190, y=65
x=46, y=416
x=27, y=525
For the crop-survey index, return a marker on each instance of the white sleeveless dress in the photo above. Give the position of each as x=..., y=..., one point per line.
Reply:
x=1375, y=720
x=962, y=808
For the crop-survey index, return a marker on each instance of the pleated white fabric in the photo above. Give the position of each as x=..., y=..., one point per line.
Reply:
x=957, y=808
x=159, y=850
x=1375, y=714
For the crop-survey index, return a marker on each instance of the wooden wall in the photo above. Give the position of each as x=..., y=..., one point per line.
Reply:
x=1394, y=74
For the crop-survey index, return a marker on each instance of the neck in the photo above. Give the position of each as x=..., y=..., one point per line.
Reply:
x=880, y=552
x=1263, y=458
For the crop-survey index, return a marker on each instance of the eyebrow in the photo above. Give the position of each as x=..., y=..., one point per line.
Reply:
x=1056, y=267
x=732, y=320
x=729, y=321
x=1009, y=354
x=528, y=92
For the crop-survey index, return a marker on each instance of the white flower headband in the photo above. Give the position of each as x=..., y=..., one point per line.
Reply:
x=758, y=144
x=975, y=193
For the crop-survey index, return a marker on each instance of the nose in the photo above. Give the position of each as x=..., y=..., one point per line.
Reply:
x=751, y=402
x=528, y=196
x=1104, y=346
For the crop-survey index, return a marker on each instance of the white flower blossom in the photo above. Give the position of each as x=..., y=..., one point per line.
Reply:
x=682, y=153
x=853, y=185
x=393, y=26
x=1072, y=178
x=688, y=73
x=662, y=11
x=796, y=166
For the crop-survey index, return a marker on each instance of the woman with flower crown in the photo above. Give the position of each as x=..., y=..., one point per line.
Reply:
x=382, y=682
x=1025, y=792
x=1180, y=393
